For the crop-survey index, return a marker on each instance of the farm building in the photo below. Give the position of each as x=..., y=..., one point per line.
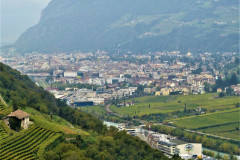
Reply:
x=21, y=116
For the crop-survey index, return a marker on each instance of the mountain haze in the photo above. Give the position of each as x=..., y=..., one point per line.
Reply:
x=143, y=25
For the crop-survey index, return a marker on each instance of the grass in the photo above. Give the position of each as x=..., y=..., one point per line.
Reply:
x=168, y=104
x=4, y=109
x=55, y=124
x=3, y=133
x=208, y=120
x=219, y=112
x=228, y=130
x=2, y=106
x=99, y=110
x=224, y=123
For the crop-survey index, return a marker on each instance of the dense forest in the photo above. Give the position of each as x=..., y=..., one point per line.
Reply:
x=102, y=143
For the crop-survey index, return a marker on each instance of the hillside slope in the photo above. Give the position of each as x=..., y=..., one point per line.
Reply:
x=55, y=138
x=144, y=25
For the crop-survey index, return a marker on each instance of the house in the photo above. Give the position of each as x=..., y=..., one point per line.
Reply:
x=165, y=91
x=21, y=116
x=149, y=90
x=219, y=90
x=158, y=93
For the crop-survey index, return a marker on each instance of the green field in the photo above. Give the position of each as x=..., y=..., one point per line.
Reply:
x=224, y=123
x=228, y=130
x=95, y=110
x=199, y=122
x=168, y=104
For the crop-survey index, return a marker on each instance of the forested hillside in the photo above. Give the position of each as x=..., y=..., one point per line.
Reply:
x=53, y=138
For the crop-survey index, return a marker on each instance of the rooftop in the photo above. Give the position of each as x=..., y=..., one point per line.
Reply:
x=19, y=114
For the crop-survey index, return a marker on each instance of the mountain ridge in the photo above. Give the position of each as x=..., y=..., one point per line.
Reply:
x=141, y=26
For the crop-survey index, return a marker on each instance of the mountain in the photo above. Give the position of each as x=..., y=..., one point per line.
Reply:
x=130, y=25
x=57, y=131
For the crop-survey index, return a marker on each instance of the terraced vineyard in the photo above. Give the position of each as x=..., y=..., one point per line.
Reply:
x=223, y=123
x=28, y=145
x=3, y=133
x=2, y=106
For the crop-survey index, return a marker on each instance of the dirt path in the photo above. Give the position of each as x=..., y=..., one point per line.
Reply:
x=107, y=108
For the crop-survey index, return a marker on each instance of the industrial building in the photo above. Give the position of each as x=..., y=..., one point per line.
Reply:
x=83, y=104
x=170, y=145
x=70, y=74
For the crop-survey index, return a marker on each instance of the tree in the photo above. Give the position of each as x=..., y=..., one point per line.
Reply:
x=218, y=156
x=233, y=79
x=22, y=103
x=225, y=157
x=207, y=87
x=185, y=107
x=237, y=105
x=197, y=71
x=219, y=82
x=140, y=89
x=176, y=157
x=232, y=157
x=221, y=94
x=51, y=155
x=48, y=78
x=15, y=105
x=236, y=61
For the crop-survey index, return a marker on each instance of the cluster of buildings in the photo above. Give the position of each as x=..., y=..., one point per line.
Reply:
x=116, y=76
x=89, y=97
x=170, y=145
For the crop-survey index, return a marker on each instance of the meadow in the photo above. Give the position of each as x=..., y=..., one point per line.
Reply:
x=169, y=104
x=223, y=123
x=95, y=110
x=200, y=122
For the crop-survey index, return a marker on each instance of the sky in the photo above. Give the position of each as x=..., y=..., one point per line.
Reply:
x=17, y=16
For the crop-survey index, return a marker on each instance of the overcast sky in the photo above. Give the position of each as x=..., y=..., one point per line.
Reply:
x=17, y=16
